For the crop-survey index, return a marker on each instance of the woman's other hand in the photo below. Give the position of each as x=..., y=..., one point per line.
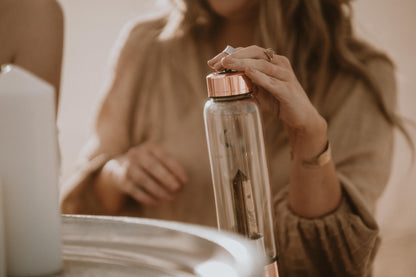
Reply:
x=146, y=173
x=275, y=77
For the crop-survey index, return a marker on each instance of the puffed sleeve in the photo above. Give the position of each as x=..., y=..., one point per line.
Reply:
x=111, y=132
x=344, y=242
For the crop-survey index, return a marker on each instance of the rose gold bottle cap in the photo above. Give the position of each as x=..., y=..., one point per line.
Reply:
x=223, y=84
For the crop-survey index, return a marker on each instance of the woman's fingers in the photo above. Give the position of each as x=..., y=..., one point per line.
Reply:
x=139, y=195
x=155, y=174
x=270, y=84
x=268, y=103
x=259, y=53
x=274, y=74
x=171, y=164
x=295, y=108
x=215, y=63
x=253, y=52
x=144, y=181
x=246, y=64
x=159, y=172
x=250, y=52
x=147, y=173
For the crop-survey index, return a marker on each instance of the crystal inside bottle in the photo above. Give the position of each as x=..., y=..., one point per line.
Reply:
x=238, y=162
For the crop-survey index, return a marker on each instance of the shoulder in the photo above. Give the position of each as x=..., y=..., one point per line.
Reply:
x=152, y=25
x=378, y=71
x=381, y=74
x=137, y=39
x=373, y=84
x=135, y=46
x=142, y=31
x=376, y=67
x=381, y=70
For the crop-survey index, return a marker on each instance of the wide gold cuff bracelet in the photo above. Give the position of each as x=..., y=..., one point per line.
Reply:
x=320, y=160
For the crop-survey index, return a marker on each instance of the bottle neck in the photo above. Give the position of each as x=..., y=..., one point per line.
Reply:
x=232, y=97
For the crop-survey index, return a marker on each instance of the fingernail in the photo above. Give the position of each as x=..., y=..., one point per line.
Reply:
x=212, y=66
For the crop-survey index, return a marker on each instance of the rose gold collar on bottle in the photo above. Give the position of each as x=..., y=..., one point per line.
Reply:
x=223, y=84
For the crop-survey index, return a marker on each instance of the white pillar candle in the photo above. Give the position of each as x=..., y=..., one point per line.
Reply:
x=29, y=166
x=2, y=243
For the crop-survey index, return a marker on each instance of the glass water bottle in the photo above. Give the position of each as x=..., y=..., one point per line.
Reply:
x=238, y=162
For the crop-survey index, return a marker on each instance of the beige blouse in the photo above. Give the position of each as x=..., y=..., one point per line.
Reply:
x=159, y=95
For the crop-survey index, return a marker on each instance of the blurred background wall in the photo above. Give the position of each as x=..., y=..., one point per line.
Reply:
x=391, y=26
x=92, y=26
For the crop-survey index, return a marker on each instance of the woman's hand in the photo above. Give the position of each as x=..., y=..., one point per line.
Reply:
x=146, y=173
x=312, y=192
x=274, y=77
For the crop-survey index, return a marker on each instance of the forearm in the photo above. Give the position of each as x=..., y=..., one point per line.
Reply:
x=313, y=192
x=109, y=195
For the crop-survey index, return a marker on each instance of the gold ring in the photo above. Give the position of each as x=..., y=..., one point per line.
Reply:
x=269, y=54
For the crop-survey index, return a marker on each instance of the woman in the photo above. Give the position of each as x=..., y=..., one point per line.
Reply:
x=323, y=89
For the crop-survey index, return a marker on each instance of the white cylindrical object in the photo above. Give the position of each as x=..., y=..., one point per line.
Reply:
x=29, y=166
x=2, y=242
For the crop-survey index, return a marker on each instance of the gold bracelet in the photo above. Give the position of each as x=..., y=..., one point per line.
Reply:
x=320, y=160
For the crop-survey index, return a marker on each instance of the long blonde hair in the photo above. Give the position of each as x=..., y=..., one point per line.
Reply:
x=317, y=37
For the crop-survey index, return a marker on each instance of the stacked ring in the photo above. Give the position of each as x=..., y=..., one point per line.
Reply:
x=269, y=54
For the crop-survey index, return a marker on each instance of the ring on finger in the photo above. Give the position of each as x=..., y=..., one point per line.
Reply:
x=269, y=52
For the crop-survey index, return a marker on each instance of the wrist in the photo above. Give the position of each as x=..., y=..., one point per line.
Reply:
x=310, y=140
x=106, y=189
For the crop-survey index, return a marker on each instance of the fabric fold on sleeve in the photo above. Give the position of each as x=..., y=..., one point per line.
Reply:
x=341, y=243
x=79, y=195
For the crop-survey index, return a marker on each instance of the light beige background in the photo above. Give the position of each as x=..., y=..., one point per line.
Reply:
x=92, y=27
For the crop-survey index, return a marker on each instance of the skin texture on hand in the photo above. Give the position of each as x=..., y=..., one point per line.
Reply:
x=312, y=192
x=146, y=173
